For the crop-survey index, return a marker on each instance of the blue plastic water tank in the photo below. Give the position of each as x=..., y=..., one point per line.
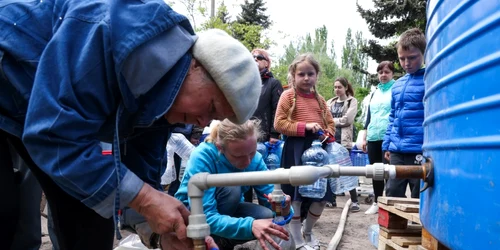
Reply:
x=462, y=123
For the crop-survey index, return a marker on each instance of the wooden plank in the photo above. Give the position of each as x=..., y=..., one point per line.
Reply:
x=411, y=228
x=390, y=220
x=405, y=241
x=409, y=208
x=383, y=244
x=431, y=243
x=420, y=247
x=415, y=217
x=394, y=200
x=386, y=244
x=403, y=233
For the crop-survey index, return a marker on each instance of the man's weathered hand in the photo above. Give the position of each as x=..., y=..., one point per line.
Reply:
x=164, y=213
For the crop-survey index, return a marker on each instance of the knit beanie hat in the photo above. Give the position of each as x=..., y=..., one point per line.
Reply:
x=233, y=68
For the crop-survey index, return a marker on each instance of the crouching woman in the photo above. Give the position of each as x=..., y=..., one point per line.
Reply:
x=231, y=148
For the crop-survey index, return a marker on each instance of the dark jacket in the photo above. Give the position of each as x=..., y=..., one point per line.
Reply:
x=70, y=78
x=405, y=133
x=268, y=101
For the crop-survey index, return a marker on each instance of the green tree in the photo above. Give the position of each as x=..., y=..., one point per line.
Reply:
x=318, y=46
x=248, y=34
x=390, y=19
x=354, y=58
x=253, y=13
x=223, y=14
x=191, y=9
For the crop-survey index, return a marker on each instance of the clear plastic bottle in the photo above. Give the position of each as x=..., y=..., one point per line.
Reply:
x=314, y=156
x=273, y=159
x=262, y=149
x=338, y=154
x=373, y=232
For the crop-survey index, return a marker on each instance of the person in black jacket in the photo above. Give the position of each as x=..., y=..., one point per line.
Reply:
x=269, y=97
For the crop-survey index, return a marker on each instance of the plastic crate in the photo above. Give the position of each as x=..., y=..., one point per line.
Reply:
x=359, y=158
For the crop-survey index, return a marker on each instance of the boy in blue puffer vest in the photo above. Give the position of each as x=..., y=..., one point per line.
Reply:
x=405, y=135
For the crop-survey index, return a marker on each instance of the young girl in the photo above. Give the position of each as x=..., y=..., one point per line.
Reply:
x=301, y=113
x=231, y=148
x=344, y=108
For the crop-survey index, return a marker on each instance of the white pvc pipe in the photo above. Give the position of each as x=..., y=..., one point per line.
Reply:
x=296, y=176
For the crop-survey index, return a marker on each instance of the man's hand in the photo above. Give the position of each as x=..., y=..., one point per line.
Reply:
x=387, y=156
x=363, y=146
x=164, y=213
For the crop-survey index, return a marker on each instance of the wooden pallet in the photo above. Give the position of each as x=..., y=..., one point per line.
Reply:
x=405, y=208
x=395, y=232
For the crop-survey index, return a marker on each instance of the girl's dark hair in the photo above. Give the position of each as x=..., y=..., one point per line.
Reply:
x=387, y=64
x=349, y=90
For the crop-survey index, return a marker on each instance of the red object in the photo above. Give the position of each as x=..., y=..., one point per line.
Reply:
x=390, y=220
x=107, y=152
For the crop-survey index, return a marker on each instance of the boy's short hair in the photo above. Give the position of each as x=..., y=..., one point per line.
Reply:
x=412, y=38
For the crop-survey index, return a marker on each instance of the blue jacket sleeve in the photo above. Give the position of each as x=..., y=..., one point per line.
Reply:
x=387, y=137
x=74, y=93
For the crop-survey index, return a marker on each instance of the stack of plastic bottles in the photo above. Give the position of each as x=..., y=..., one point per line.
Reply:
x=338, y=154
x=273, y=157
x=314, y=156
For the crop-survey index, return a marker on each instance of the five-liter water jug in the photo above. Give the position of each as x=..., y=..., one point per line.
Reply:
x=338, y=154
x=273, y=159
x=262, y=149
x=314, y=156
x=373, y=232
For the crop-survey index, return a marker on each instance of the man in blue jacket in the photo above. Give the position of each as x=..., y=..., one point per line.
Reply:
x=74, y=73
x=405, y=135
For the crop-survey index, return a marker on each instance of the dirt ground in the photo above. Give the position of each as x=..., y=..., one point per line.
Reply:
x=355, y=235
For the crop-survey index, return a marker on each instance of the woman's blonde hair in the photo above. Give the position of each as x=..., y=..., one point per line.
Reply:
x=227, y=131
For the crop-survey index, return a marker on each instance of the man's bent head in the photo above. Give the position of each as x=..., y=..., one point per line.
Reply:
x=223, y=81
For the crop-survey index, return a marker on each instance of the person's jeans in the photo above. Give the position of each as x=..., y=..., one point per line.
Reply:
x=226, y=198
x=29, y=233
x=76, y=226
x=9, y=192
x=397, y=187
